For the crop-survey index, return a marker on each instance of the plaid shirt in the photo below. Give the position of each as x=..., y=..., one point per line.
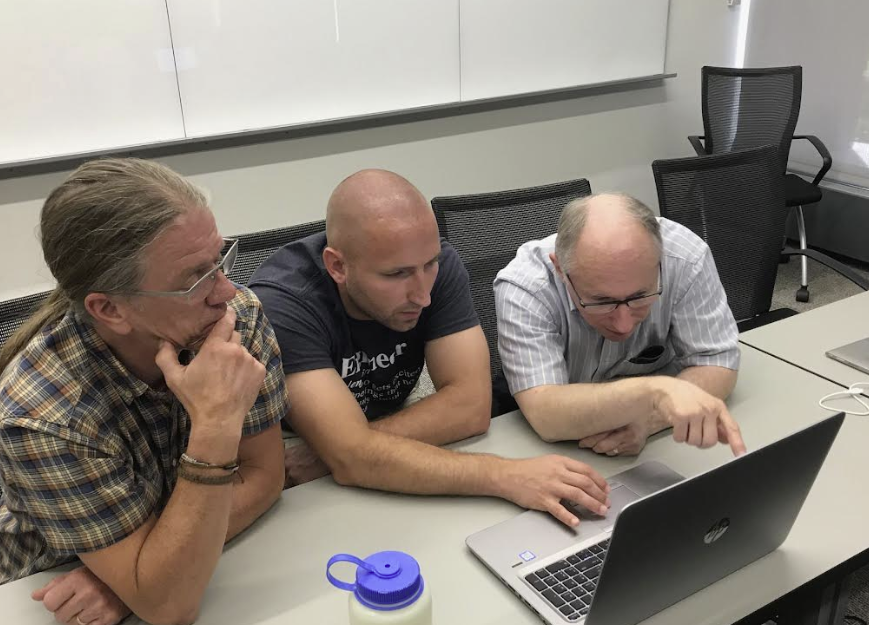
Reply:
x=88, y=452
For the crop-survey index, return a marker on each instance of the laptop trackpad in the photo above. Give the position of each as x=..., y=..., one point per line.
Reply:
x=620, y=496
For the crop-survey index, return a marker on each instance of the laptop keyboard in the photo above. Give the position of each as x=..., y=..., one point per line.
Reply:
x=568, y=585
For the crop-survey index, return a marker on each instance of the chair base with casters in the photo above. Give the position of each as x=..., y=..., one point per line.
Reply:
x=840, y=268
x=783, y=313
x=797, y=193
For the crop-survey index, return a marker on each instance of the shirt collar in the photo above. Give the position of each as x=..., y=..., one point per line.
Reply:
x=129, y=386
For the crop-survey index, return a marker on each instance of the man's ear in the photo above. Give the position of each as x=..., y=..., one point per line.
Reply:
x=104, y=310
x=555, y=263
x=335, y=264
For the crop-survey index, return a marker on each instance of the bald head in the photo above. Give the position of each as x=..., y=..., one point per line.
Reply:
x=607, y=230
x=371, y=205
x=383, y=248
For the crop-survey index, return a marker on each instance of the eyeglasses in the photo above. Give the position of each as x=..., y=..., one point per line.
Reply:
x=638, y=302
x=205, y=284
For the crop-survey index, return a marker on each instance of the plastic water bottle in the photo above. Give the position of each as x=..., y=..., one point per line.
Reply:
x=389, y=589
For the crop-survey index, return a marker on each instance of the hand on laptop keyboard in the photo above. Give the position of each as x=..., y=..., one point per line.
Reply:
x=541, y=484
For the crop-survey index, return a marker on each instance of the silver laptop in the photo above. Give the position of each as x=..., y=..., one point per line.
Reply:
x=673, y=536
x=854, y=354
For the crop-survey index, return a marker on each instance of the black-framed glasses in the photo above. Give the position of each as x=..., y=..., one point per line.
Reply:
x=205, y=284
x=637, y=302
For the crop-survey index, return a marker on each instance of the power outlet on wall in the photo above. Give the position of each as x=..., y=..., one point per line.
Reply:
x=733, y=3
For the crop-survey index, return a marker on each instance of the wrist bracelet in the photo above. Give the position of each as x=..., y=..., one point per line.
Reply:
x=199, y=464
x=208, y=480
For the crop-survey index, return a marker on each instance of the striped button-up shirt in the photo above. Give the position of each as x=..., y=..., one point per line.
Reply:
x=542, y=338
x=88, y=452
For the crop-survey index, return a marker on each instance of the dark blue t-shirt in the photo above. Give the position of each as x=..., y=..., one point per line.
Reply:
x=380, y=366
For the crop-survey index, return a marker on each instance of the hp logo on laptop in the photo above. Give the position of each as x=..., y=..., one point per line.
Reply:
x=716, y=531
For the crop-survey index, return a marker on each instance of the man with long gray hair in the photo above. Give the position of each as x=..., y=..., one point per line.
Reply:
x=139, y=407
x=617, y=327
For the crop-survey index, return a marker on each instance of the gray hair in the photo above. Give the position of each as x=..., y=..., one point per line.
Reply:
x=94, y=229
x=575, y=214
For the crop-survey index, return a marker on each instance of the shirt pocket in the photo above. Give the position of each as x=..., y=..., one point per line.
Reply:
x=628, y=369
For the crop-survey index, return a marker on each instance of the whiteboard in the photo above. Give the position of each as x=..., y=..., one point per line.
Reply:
x=79, y=76
x=829, y=40
x=264, y=63
x=519, y=46
x=83, y=75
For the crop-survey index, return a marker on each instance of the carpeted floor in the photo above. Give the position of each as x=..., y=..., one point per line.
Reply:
x=858, y=604
x=825, y=286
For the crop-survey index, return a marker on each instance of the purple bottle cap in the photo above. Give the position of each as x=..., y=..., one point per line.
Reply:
x=387, y=580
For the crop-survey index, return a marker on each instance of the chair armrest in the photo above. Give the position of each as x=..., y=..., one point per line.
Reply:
x=823, y=151
x=835, y=265
x=696, y=143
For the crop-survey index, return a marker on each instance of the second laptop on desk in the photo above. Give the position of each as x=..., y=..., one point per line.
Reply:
x=854, y=354
x=672, y=537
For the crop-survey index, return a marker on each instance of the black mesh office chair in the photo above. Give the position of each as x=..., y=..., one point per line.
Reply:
x=255, y=247
x=14, y=312
x=486, y=230
x=735, y=202
x=749, y=108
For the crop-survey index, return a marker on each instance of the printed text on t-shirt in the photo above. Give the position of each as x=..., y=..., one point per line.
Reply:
x=360, y=361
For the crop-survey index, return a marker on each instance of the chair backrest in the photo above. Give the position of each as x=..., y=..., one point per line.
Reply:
x=734, y=202
x=255, y=247
x=14, y=312
x=750, y=108
x=487, y=229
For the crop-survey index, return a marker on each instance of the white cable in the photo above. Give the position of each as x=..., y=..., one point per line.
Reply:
x=854, y=391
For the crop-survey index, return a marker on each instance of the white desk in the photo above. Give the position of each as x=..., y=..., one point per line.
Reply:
x=274, y=574
x=803, y=339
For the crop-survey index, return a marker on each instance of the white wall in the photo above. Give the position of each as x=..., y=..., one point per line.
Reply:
x=800, y=32
x=610, y=139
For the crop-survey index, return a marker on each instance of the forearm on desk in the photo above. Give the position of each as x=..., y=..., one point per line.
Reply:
x=717, y=381
x=254, y=491
x=162, y=569
x=458, y=365
x=327, y=416
x=575, y=411
x=260, y=478
x=397, y=464
x=450, y=414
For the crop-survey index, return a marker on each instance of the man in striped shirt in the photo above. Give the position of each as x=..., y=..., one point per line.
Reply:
x=616, y=328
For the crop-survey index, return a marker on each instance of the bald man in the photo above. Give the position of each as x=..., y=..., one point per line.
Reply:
x=616, y=328
x=357, y=311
